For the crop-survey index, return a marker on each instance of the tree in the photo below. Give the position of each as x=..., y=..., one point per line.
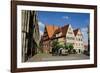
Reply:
x=70, y=48
x=54, y=46
x=66, y=46
x=59, y=46
x=55, y=43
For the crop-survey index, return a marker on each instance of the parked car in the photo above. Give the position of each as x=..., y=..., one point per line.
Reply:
x=86, y=53
x=73, y=51
x=63, y=52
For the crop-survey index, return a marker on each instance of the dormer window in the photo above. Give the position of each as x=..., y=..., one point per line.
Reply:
x=59, y=34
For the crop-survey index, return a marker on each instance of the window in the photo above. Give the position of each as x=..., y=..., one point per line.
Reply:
x=56, y=35
x=79, y=39
x=59, y=34
x=80, y=34
x=70, y=38
x=81, y=44
x=69, y=28
x=69, y=32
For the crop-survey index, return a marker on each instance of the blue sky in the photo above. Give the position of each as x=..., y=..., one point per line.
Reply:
x=77, y=20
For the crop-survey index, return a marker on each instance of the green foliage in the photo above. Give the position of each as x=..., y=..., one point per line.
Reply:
x=66, y=46
x=54, y=44
x=71, y=46
x=59, y=46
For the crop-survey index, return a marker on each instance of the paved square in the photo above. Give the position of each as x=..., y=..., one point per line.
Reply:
x=49, y=57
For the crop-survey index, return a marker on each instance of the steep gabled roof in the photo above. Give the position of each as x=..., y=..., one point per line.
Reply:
x=51, y=29
x=63, y=30
x=76, y=31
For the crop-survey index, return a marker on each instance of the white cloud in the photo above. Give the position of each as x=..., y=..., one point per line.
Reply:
x=66, y=17
x=41, y=25
x=41, y=28
x=85, y=35
x=41, y=32
x=84, y=29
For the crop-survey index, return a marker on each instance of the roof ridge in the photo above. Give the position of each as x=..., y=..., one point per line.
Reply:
x=75, y=31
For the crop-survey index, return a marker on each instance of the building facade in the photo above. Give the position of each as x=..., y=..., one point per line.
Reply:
x=65, y=35
x=29, y=34
x=78, y=41
x=46, y=38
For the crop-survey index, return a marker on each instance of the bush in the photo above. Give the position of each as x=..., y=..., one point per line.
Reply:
x=54, y=46
x=59, y=46
x=71, y=47
x=66, y=46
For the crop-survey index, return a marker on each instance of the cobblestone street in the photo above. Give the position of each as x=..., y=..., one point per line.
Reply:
x=49, y=57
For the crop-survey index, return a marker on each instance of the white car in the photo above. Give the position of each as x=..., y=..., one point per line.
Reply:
x=63, y=51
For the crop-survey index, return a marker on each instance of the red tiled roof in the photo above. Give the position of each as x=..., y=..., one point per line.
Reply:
x=51, y=29
x=63, y=30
